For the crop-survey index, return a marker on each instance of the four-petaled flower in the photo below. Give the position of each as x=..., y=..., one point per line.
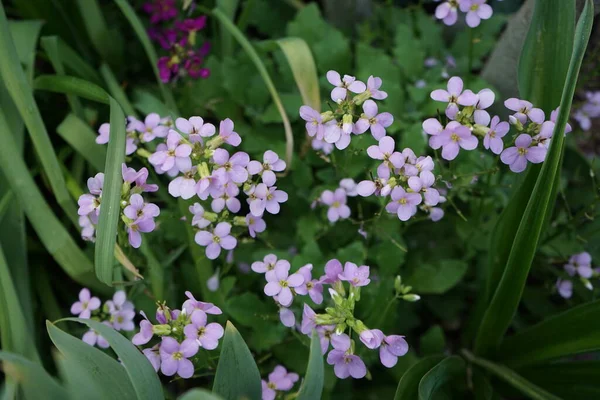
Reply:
x=280, y=284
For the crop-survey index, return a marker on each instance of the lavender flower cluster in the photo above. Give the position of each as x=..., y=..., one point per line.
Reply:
x=182, y=333
x=336, y=200
x=589, y=110
x=339, y=318
x=468, y=119
x=279, y=381
x=136, y=214
x=579, y=265
x=475, y=11
x=178, y=37
x=117, y=313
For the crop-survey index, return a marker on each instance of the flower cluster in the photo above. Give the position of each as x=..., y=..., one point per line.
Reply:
x=117, y=313
x=280, y=380
x=138, y=131
x=589, y=110
x=475, y=11
x=337, y=209
x=579, y=265
x=181, y=334
x=352, y=114
x=137, y=215
x=177, y=36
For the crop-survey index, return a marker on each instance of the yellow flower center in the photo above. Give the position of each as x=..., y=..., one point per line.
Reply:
x=522, y=151
x=455, y=137
x=177, y=355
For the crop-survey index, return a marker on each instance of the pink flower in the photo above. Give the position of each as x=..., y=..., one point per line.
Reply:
x=227, y=134
x=86, y=304
x=370, y=119
x=385, y=151
x=345, y=364
x=392, y=347
x=93, y=338
x=447, y=11
x=432, y=126
x=153, y=355
x=176, y=154
x=261, y=198
x=454, y=137
x=280, y=284
x=371, y=338
x=476, y=11
x=191, y=305
x=207, y=336
x=516, y=157
x=337, y=204
x=195, y=128
x=271, y=162
x=343, y=85
x=149, y=129
x=357, y=276
x=255, y=225
x=287, y=317
x=525, y=109
x=333, y=270
x=454, y=96
x=314, y=122
x=140, y=177
x=312, y=287
x=231, y=169
x=581, y=264
x=565, y=288
x=268, y=263
x=217, y=240
x=174, y=357
x=493, y=138
x=373, y=85
x=403, y=204
x=485, y=98
x=279, y=380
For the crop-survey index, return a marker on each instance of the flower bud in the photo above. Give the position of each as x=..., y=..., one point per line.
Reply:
x=411, y=297
x=161, y=330
x=143, y=153
x=340, y=328
x=239, y=221
x=335, y=296
x=398, y=283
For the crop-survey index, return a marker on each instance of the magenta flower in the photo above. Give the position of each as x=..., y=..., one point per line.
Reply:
x=231, y=169
x=345, y=364
x=255, y=225
x=160, y=10
x=581, y=264
x=151, y=127
x=86, y=304
x=476, y=11
x=176, y=154
x=227, y=134
x=403, y=204
x=391, y=348
x=280, y=284
x=174, y=357
x=271, y=162
x=447, y=12
x=153, y=355
x=343, y=85
x=454, y=96
x=516, y=157
x=524, y=110
x=314, y=122
x=357, y=276
x=268, y=263
x=373, y=85
x=493, y=138
x=195, y=128
x=333, y=270
x=191, y=24
x=454, y=137
x=216, y=240
x=376, y=122
x=207, y=336
x=485, y=98
x=337, y=204
x=565, y=288
x=167, y=68
x=191, y=305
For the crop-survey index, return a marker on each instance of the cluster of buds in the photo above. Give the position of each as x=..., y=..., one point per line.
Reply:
x=350, y=114
x=181, y=334
x=279, y=381
x=179, y=37
x=579, y=266
x=136, y=215
x=589, y=110
x=475, y=11
x=117, y=313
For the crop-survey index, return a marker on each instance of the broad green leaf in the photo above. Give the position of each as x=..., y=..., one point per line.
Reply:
x=237, y=375
x=247, y=309
x=105, y=371
x=312, y=386
x=156, y=272
x=408, y=51
x=303, y=67
x=77, y=381
x=82, y=138
x=108, y=220
x=116, y=91
x=262, y=70
x=76, y=64
x=570, y=332
x=35, y=382
x=444, y=373
x=71, y=85
x=141, y=373
x=229, y=8
x=48, y=228
x=502, y=308
x=511, y=377
x=437, y=278
x=140, y=31
x=21, y=93
x=199, y=394
x=408, y=387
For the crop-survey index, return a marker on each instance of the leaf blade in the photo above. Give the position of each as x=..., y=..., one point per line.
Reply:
x=408, y=386
x=312, y=387
x=304, y=69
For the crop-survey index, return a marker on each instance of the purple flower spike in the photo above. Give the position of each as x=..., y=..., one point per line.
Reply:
x=376, y=122
x=476, y=11
x=86, y=304
x=454, y=96
x=392, y=347
x=337, y=204
x=227, y=134
x=174, y=357
x=216, y=240
x=207, y=336
x=357, y=276
x=373, y=85
x=271, y=162
x=524, y=110
x=314, y=122
x=403, y=204
x=279, y=284
x=191, y=24
x=343, y=85
x=454, y=137
x=516, y=157
x=493, y=138
x=344, y=364
x=177, y=154
x=160, y=10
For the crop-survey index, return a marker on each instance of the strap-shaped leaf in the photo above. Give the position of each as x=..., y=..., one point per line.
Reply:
x=35, y=382
x=82, y=138
x=312, y=387
x=116, y=90
x=408, y=387
x=237, y=375
x=71, y=85
x=503, y=306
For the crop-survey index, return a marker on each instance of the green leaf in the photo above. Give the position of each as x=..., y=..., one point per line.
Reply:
x=511, y=377
x=78, y=382
x=35, y=382
x=106, y=372
x=148, y=103
x=116, y=90
x=312, y=386
x=262, y=70
x=82, y=138
x=433, y=341
x=447, y=371
x=502, y=308
x=575, y=380
x=75, y=64
x=141, y=373
x=106, y=42
x=408, y=387
x=140, y=31
x=25, y=36
x=71, y=85
x=570, y=332
x=247, y=309
x=156, y=272
x=408, y=51
x=199, y=394
x=237, y=375
x=108, y=220
x=228, y=7
x=303, y=67
x=437, y=278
